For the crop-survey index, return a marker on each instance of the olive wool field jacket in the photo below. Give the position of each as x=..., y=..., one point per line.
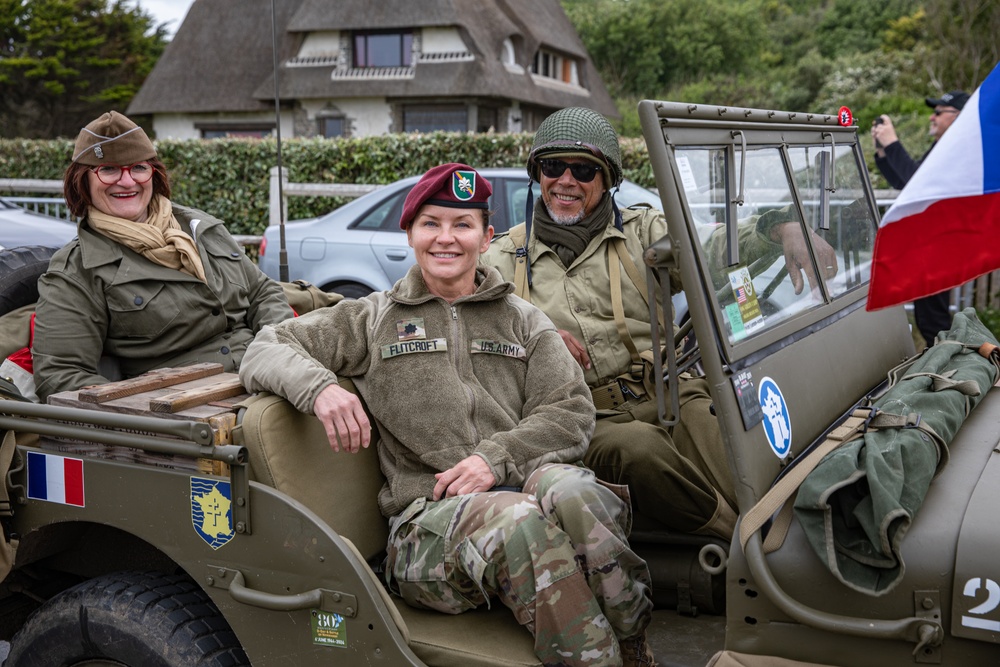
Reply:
x=99, y=298
x=487, y=374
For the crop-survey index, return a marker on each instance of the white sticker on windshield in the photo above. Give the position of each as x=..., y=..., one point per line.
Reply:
x=687, y=174
x=777, y=422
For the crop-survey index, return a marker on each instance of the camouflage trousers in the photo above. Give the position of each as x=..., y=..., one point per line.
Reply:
x=556, y=554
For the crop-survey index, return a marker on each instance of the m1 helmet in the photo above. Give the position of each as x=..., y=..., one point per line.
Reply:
x=578, y=132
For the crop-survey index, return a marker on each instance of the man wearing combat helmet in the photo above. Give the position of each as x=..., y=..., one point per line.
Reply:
x=575, y=258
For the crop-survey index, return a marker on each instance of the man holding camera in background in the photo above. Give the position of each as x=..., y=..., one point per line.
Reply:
x=931, y=313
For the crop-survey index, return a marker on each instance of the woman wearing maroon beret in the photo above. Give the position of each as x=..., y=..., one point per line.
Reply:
x=482, y=414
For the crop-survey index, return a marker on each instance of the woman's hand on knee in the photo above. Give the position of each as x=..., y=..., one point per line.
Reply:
x=470, y=475
x=344, y=419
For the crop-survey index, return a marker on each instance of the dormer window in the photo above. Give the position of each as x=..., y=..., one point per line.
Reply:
x=383, y=49
x=508, y=56
x=554, y=66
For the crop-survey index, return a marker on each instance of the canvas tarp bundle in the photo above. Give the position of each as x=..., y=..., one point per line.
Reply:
x=857, y=504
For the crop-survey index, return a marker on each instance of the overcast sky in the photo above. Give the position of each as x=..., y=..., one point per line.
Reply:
x=166, y=10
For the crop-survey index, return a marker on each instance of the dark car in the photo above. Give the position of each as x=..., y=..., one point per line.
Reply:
x=359, y=247
x=19, y=227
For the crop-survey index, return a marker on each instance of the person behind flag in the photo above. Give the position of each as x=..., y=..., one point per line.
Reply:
x=482, y=415
x=931, y=313
x=949, y=210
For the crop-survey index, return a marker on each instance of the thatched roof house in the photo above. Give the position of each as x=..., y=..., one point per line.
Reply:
x=361, y=67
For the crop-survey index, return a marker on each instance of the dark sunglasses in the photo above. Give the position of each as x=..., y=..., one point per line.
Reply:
x=938, y=112
x=584, y=172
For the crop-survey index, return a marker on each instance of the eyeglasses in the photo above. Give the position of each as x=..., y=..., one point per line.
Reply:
x=584, y=172
x=109, y=174
x=938, y=112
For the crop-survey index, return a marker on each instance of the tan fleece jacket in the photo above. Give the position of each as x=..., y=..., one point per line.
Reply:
x=486, y=375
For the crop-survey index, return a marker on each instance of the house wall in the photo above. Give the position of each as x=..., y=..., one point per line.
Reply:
x=441, y=40
x=320, y=44
x=365, y=116
x=184, y=126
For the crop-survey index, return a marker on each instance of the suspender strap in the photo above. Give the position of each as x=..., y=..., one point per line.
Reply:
x=521, y=287
x=617, y=306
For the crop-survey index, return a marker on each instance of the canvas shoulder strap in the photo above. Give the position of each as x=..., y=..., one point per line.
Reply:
x=517, y=236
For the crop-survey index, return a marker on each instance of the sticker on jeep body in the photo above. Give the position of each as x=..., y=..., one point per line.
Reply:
x=777, y=422
x=328, y=629
x=211, y=511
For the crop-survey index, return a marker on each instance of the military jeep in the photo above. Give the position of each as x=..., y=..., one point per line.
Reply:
x=225, y=532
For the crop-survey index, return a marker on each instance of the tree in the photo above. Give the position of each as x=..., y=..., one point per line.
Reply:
x=963, y=46
x=64, y=62
x=645, y=46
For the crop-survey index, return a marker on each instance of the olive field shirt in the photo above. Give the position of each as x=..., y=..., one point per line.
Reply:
x=99, y=298
x=578, y=298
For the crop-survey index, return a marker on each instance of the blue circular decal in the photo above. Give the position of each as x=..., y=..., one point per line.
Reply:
x=777, y=421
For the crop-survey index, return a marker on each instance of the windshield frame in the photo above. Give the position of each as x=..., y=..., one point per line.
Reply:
x=681, y=129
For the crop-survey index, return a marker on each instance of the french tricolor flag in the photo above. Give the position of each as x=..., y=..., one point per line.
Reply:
x=56, y=479
x=944, y=228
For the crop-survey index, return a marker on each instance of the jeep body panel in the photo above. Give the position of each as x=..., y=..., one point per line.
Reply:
x=289, y=558
x=826, y=355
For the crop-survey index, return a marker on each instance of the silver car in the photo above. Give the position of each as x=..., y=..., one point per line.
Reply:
x=359, y=248
x=19, y=227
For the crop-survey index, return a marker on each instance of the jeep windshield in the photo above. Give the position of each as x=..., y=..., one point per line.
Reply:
x=738, y=185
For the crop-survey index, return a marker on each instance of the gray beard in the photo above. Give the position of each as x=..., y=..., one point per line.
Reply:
x=565, y=220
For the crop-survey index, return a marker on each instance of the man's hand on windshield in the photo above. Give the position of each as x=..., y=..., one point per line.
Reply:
x=797, y=261
x=576, y=349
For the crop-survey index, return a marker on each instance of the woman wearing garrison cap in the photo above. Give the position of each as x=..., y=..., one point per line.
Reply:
x=146, y=282
x=481, y=412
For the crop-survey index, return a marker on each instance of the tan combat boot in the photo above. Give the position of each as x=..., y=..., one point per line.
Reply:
x=636, y=652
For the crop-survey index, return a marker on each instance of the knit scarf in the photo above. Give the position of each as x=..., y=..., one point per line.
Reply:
x=160, y=239
x=569, y=241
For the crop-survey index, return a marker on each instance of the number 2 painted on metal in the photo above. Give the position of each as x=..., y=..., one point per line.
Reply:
x=972, y=586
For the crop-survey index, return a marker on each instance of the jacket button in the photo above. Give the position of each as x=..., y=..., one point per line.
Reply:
x=224, y=350
x=579, y=309
x=215, y=312
x=234, y=254
x=138, y=300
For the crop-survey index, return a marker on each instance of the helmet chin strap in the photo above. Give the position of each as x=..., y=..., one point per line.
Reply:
x=614, y=207
x=529, y=211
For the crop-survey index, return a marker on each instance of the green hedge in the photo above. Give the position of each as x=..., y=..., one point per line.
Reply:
x=230, y=178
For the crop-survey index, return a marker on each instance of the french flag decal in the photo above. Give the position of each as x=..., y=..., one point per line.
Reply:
x=56, y=479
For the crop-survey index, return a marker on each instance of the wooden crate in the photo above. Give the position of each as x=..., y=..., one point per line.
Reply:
x=201, y=393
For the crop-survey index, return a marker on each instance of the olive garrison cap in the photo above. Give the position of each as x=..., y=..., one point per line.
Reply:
x=578, y=132
x=454, y=185
x=112, y=139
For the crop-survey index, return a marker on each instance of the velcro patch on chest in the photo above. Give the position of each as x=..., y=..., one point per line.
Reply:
x=503, y=348
x=414, y=347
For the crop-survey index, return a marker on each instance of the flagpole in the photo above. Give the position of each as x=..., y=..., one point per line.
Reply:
x=282, y=251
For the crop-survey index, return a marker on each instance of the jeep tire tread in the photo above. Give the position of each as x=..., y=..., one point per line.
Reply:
x=20, y=269
x=138, y=619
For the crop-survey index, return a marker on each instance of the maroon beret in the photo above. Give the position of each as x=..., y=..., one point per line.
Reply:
x=453, y=185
